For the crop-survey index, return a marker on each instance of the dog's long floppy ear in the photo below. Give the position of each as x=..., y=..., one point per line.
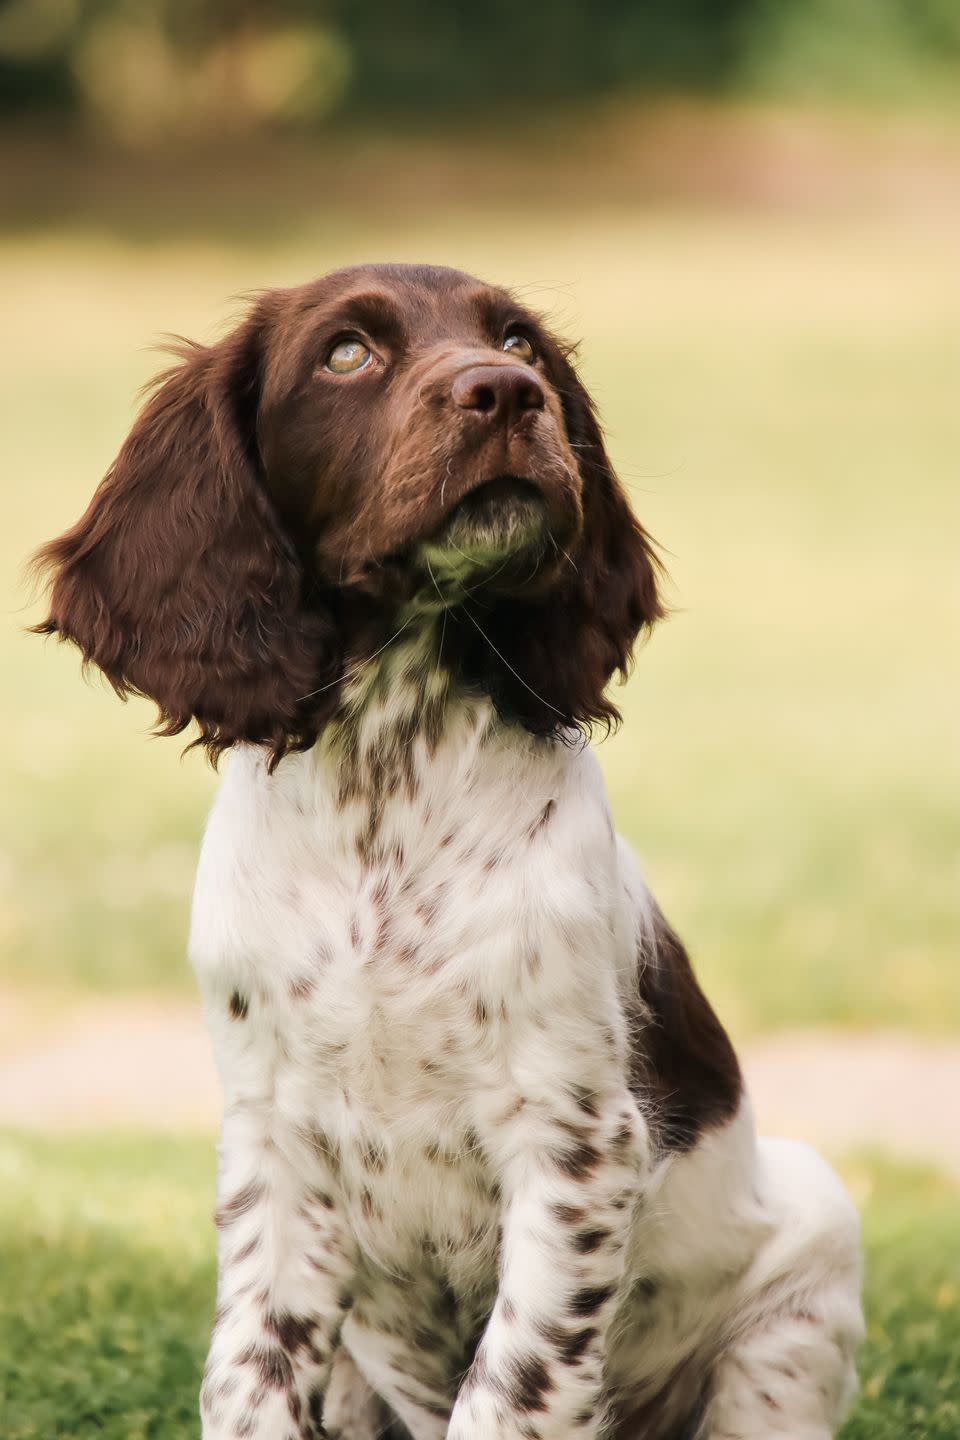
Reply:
x=179, y=581
x=562, y=651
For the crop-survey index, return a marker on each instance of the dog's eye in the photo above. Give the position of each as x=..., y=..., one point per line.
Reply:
x=348, y=356
x=520, y=348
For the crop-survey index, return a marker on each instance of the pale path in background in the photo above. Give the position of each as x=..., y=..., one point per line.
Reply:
x=140, y=1064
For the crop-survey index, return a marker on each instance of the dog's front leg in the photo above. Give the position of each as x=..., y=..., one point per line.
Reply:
x=568, y=1201
x=285, y=1269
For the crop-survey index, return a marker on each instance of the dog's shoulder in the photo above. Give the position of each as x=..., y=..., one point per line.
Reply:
x=683, y=1067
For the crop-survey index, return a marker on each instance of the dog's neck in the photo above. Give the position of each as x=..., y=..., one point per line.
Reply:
x=410, y=734
x=399, y=707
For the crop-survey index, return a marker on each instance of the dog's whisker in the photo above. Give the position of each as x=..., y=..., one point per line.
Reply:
x=504, y=661
x=361, y=665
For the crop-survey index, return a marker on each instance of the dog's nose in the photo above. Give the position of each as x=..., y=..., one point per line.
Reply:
x=499, y=394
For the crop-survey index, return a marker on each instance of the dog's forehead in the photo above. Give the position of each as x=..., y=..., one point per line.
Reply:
x=428, y=298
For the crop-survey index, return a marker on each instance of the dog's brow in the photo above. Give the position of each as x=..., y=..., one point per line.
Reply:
x=373, y=310
x=492, y=308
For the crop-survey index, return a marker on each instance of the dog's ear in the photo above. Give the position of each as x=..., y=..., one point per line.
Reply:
x=561, y=651
x=180, y=583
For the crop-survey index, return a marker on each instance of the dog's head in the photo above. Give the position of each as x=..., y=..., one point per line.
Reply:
x=387, y=440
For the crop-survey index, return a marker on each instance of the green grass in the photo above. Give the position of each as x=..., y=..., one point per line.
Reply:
x=910, y=1364
x=109, y=1273
x=106, y=1248
x=780, y=393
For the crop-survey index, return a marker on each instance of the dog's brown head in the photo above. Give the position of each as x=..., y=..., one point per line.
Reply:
x=388, y=439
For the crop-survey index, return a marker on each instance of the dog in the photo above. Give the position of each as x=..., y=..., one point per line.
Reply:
x=487, y=1165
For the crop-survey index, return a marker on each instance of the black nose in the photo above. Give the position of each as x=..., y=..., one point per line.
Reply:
x=500, y=394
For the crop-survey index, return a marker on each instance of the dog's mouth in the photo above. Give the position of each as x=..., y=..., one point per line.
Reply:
x=494, y=536
x=498, y=515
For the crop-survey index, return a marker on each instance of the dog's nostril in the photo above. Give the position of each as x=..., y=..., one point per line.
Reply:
x=530, y=394
x=482, y=397
x=498, y=392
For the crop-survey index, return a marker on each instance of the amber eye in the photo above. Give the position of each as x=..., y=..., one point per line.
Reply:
x=348, y=356
x=520, y=348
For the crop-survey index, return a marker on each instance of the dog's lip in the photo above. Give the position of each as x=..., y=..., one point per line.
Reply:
x=506, y=485
x=500, y=489
x=502, y=503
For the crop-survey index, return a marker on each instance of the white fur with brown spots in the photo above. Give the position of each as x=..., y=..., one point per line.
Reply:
x=441, y=1196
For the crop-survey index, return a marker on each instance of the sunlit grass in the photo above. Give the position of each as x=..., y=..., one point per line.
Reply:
x=910, y=1363
x=106, y=1248
x=780, y=395
x=107, y=1299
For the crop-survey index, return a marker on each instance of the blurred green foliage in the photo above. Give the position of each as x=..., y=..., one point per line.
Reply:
x=147, y=70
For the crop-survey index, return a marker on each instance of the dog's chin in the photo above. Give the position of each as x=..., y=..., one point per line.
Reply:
x=493, y=541
x=498, y=516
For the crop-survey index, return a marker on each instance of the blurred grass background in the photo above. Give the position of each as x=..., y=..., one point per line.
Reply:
x=779, y=384
x=749, y=212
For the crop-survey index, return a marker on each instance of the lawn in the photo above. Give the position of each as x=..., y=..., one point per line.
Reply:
x=780, y=394
x=106, y=1247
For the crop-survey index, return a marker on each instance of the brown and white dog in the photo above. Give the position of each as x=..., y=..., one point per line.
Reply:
x=487, y=1166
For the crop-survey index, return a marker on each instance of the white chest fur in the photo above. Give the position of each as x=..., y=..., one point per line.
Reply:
x=403, y=991
x=414, y=963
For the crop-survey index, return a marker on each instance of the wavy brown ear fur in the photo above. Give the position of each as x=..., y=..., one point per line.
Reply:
x=559, y=654
x=179, y=582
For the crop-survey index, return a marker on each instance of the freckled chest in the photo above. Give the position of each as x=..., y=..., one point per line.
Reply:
x=375, y=986
x=382, y=1046
x=414, y=985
